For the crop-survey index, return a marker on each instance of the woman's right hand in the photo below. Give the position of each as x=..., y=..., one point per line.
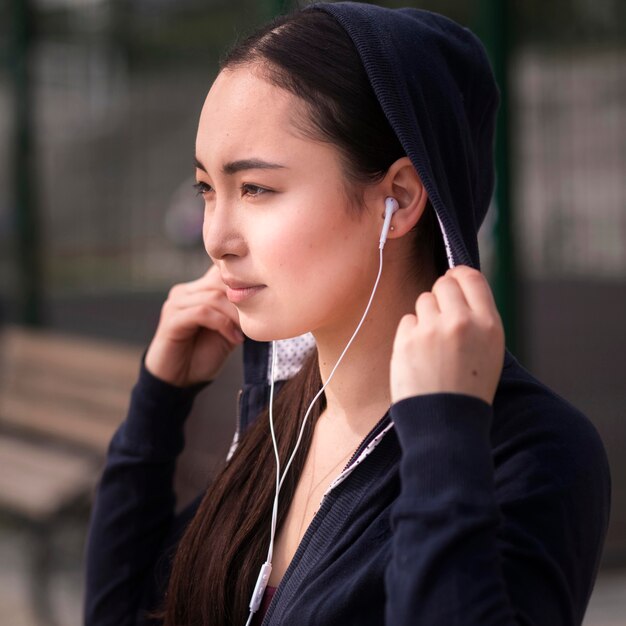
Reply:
x=197, y=330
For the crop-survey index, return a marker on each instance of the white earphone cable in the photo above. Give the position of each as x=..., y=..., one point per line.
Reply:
x=391, y=206
x=332, y=373
x=266, y=569
x=278, y=483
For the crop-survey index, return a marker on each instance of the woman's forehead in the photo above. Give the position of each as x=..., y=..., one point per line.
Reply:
x=243, y=97
x=244, y=114
x=242, y=107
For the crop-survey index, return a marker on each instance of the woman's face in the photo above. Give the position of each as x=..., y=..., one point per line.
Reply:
x=278, y=222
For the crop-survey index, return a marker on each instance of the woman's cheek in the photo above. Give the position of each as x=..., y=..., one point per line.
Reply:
x=288, y=246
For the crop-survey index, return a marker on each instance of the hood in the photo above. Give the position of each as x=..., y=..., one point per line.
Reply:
x=436, y=87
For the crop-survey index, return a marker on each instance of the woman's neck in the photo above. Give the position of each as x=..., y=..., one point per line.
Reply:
x=358, y=394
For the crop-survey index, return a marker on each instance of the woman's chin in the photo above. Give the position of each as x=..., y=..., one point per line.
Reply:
x=267, y=332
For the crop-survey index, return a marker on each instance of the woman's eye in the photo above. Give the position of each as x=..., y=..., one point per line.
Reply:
x=202, y=188
x=252, y=190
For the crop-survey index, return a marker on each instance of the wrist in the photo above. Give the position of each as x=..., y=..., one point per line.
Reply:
x=159, y=367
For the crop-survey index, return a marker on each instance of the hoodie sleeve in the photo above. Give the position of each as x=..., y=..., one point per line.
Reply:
x=133, y=513
x=494, y=536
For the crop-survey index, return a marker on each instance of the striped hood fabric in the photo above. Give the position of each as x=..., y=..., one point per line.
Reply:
x=437, y=89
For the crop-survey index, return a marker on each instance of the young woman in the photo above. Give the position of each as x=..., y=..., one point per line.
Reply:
x=344, y=155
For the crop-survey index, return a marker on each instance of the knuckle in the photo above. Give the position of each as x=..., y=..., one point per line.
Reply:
x=442, y=280
x=474, y=276
x=428, y=331
x=174, y=291
x=407, y=322
x=491, y=324
x=424, y=297
x=459, y=324
x=467, y=274
x=407, y=319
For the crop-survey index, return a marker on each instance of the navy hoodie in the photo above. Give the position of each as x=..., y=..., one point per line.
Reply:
x=452, y=511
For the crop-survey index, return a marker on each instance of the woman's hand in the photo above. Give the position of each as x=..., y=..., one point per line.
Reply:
x=454, y=343
x=197, y=330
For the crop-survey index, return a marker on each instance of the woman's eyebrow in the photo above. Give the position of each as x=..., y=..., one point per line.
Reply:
x=198, y=165
x=243, y=164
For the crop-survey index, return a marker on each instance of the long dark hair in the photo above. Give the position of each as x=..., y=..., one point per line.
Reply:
x=219, y=556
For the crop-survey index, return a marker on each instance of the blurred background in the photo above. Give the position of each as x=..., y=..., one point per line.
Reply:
x=99, y=101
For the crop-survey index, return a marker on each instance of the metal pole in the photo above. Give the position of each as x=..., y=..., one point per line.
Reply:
x=26, y=218
x=272, y=8
x=494, y=28
x=280, y=6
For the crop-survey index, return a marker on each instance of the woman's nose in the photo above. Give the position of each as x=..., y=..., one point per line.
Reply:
x=221, y=235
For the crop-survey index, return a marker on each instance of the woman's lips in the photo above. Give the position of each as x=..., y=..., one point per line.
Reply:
x=237, y=295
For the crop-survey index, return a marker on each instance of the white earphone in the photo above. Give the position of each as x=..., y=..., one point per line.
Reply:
x=391, y=206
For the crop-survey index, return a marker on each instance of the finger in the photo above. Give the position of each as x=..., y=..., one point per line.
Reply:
x=208, y=298
x=449, y=295
x=185, y=289
x=209, y=318
x=426, y=307
x=477, y=291
x=211, y=278
x=405, y=325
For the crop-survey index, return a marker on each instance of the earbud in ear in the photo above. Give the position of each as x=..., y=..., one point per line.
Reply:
x=391, y=206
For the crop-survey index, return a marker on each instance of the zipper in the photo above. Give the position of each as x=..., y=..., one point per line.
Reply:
x=238, y=422
x=235, y=441
x=372, y=433
x=381, y=427
x=313, y=526
x=366, y=447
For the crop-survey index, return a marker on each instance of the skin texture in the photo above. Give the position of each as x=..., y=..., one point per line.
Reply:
x=290, y=231
x=282, y=232
x=198, y=328
x=454, y=341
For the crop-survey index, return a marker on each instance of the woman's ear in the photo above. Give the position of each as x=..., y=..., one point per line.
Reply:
x=402, y=183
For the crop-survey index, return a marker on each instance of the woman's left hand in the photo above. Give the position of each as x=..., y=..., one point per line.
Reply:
x=454, y=343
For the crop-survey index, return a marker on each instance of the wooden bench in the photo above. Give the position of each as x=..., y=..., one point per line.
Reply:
x=61, y=399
